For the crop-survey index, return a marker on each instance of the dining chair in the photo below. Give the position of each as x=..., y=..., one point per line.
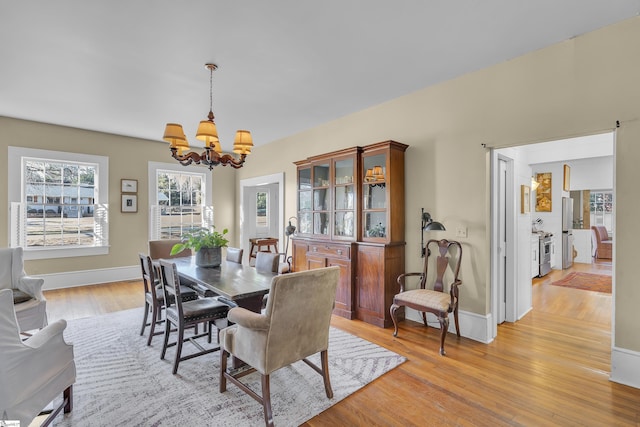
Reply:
x=267, y=262
x=294, y=326
x=35, y=371
x=29, y=302
x=435, y=300
x=154, y=297
x=234, y=255
x=183, y=315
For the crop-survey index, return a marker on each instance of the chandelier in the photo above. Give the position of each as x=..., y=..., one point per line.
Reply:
x=207, y=132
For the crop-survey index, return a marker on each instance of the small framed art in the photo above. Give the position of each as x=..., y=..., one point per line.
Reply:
x=129, y=203
x=525, y=199
x=129, y=185
x=566, y=183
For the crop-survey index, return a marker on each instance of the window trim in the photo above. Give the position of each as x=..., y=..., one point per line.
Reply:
x=153, y=169
x=15, y=189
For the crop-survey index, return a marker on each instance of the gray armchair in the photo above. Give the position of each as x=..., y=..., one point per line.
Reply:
x=30, y=304
x=294, y=325
x=35, y=371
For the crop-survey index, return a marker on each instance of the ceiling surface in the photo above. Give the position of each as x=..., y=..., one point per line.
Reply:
x=129, y=67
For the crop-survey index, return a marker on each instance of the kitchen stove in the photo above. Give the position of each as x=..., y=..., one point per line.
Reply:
x=544, y=257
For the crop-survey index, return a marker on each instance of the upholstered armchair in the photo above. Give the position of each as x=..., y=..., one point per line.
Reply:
x=604, y=244
x=35, y=371
x=30, y=304
x=294, y=325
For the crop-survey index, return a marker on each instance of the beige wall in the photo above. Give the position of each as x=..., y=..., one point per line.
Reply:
x=578, y=87
x=128, y=158
x=581, y=86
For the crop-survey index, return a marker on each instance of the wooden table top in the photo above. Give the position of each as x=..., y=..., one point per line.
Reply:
x=230, y=280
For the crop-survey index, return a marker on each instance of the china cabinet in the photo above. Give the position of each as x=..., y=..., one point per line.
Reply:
x=351, y=214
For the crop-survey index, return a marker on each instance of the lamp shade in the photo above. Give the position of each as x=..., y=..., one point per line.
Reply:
x=208, y=133
x=243, y=142
x=174, y=135
x=377, y=173
x=434, y=226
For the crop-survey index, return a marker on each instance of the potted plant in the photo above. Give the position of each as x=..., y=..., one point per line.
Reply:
x=206, y=244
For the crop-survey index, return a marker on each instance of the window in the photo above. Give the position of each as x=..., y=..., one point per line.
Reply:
x=179, y=201
x=58, y=203
x=601, y=208
x=262, y=211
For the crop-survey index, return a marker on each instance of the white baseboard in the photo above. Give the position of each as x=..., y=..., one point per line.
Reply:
x=473, y=326
x=71, y=279
x=625, y=367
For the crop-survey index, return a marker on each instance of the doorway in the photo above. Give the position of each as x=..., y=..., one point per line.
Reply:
x=261, y=209
x=550, y=156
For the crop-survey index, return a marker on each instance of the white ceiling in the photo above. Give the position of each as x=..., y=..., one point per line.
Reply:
x=128, y=67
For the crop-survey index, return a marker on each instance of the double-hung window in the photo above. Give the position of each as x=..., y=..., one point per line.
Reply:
x=179, y=200
x=58, y=203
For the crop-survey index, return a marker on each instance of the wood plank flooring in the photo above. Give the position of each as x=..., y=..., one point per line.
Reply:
x=550, y=368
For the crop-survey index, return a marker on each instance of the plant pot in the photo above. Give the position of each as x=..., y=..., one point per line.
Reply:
x=209, y=257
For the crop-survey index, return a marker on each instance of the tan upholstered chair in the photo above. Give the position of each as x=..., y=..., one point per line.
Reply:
x=162, y=249
x=30, y=304
x=295, y=325
x=435, y=300
x=234, y=255
x=35, y=371
x=604, y=244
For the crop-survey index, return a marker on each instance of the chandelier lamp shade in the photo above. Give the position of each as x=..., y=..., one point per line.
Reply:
x=207, y=132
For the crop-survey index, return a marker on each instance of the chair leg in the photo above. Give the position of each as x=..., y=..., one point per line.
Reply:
x=324, y=358
x=179, y=343
x=144, y=319
x=154, y=320
x=455, y=318
x=68, y=399
x=266, y=401
x=167, y=331
x=223, y=369
x=424, y=319
x=392, y=311
x=444, y=326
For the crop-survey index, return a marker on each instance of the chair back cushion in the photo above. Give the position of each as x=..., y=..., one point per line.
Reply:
x=267, y=262
x=234, y=255
x=601, y=233
x=162, y=249
x=11, y=267
x=299, y=311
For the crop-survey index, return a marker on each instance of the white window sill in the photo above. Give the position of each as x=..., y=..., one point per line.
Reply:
x=48, y=253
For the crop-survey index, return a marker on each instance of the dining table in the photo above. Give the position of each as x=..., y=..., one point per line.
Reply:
x=238, y=283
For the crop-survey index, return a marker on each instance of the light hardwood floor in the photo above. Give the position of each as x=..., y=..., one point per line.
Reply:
x=550, y=368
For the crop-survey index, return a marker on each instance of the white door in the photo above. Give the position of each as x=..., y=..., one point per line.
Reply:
x=502, y=240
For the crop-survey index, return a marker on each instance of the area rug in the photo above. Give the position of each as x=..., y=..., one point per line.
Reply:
x=586, y=281
x=122, y=382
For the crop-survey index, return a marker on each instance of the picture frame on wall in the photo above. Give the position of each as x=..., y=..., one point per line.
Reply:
x=129, y=203
x=543, y=192
x=129, y=185
x=567, y=177
x=525, y=199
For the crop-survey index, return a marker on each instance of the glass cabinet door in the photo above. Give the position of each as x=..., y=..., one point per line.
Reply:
x=344, y=198
x=304, y=200
x=374, y=197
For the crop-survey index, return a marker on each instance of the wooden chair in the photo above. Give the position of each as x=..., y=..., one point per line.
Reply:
x=183, y=315
x=154, y=297
x=234, y=255
x=604, y=244
x=269, y=341
x=162, y=249
x=435, y=300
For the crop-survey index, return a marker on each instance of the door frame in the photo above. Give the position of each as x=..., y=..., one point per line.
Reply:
x=511, y=253
x=276, y=178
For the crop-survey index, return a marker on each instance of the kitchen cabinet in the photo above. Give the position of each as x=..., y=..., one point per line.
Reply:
x=351, y=214
x=535, y=255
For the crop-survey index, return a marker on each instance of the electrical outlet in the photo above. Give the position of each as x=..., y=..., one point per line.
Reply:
x=461, y=231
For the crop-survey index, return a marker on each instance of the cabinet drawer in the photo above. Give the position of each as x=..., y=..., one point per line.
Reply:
x=338, y=251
